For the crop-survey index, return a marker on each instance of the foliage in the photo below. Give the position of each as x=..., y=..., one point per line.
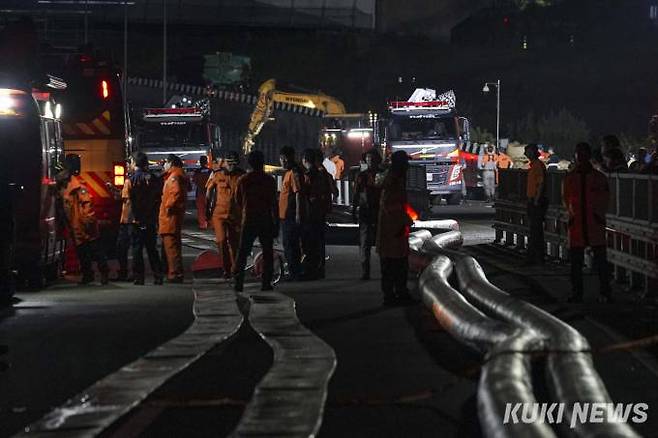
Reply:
x=481, y=135
x=561, y=130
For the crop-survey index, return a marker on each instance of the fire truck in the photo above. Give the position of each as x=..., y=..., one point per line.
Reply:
x=183, y=128
x=429, y=129
x=31, y=148
x=94, y=127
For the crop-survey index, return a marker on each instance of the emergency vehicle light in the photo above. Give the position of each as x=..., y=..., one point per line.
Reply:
x=7, y=101
x=407, y=106
x=119, y=174
x=105, y=89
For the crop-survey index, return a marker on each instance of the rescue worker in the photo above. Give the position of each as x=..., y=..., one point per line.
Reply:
x=537, y=205
x=290, y=212
x=315, y=197
x=255, y=199
x=172, y=212
x=393, y=231
x=340, y=165
x=144, y=193
x=585, y=195
x=489, y=169
x=200, y=179
x=366, y=202
x=225, y=219
x=82, y=222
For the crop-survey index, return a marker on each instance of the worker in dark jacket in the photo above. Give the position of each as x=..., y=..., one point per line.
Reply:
x=290, y=212
x=255, y=198
x=366, y=203
x=393, y=226
x=144, y=193
x=585, y=195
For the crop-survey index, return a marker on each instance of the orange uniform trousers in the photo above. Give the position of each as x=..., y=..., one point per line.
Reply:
x=173, y=249
x=227, y=236
x=201, y=210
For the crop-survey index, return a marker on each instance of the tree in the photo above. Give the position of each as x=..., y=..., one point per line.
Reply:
x=561, y=130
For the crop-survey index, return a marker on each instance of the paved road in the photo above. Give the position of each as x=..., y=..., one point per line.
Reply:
x=397, y=372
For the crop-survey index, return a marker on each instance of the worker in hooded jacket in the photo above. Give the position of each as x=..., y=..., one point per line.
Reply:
x=172, y=212
x=585, y=195
x=82, y=222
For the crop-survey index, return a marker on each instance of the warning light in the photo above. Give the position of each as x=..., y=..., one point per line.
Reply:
x=119, y=175
x=105, y=89
x=506, y=21
x=413, y=215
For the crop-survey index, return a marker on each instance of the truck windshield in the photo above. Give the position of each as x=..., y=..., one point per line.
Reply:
x=172, y=135
x=403, y=128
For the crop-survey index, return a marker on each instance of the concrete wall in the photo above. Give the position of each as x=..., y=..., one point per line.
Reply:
x=431, y=18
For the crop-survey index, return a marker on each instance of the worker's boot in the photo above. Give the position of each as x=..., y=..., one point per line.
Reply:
x=239, y=282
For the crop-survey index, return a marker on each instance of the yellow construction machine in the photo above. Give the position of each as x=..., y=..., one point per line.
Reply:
x=268, y=95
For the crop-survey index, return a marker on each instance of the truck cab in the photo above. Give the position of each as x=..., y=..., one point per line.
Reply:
x=180, y=129
x=432, y=134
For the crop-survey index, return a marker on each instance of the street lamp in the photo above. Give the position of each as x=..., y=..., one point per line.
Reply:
x=486, y=89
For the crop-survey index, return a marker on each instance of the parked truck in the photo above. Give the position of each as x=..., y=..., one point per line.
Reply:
x=432, y=133
x=183, y=128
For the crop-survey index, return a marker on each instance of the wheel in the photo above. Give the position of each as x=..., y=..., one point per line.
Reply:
x=455, y=198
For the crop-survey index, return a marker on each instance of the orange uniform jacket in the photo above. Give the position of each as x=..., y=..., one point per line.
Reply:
x=255, y=197
x=340, y=166
x=585, y=196
x=225, y=184
x=79, y=212
x=172, y=208
x=393, y=222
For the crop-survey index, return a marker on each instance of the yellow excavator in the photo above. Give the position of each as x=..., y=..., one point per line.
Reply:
x=268, y=95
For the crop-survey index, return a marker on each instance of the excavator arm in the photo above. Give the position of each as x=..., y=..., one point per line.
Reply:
x=268, y=95
x=260, y=115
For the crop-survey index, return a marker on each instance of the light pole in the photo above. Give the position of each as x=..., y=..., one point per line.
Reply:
x=485, y=89
x=164, y=58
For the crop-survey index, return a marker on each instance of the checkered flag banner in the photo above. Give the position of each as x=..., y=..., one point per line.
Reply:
x=449, y=97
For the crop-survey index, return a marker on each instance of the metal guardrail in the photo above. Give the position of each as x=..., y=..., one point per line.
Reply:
x=509, y=331
x=632, y=222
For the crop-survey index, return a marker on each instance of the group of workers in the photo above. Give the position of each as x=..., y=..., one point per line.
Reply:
x=152, y=204
x=244, y=205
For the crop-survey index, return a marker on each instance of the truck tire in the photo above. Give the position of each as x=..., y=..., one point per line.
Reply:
x=455, y=198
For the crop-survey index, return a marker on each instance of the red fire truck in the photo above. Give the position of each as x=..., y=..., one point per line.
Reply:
x=94, y=128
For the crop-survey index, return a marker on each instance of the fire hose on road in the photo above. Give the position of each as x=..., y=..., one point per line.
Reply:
x=515, y=331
